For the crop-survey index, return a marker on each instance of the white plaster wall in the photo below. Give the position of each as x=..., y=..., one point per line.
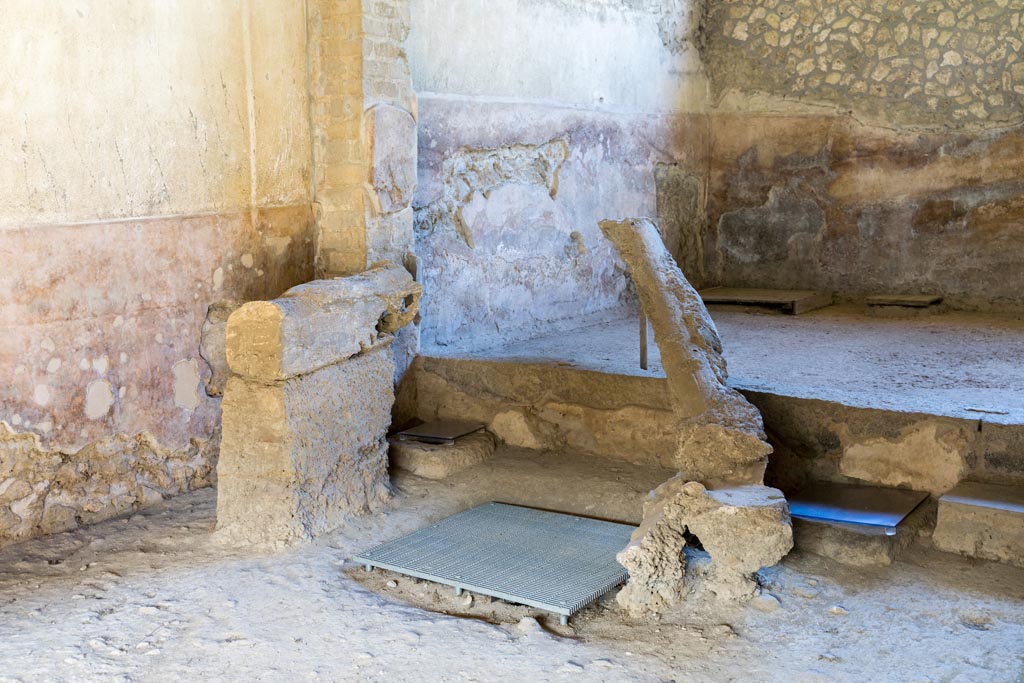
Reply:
x=627, y=55
x=616, y=79
x=121, y=108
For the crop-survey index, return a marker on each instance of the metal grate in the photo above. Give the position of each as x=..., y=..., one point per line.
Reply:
x=552, y=561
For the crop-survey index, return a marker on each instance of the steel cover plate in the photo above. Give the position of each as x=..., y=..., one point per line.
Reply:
x=552, y=561
x=440, y=431
x=862, y=505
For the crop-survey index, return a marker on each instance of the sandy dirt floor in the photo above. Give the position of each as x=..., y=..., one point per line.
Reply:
x=955, y=364
x=153, y=597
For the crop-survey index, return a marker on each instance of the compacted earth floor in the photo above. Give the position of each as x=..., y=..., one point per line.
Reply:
x=956, y=364
x=155, y=597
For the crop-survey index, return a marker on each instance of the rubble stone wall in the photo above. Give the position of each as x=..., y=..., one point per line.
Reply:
x=937, y=62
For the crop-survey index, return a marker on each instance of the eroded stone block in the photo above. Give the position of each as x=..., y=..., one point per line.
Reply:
x=306, y=412
x=440, y=461
x=319, y=323
x=742, y=524
x=743, y=529
x=721, y=436
x=300, y=454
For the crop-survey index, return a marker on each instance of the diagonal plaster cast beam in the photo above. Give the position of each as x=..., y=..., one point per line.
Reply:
x=721, y=435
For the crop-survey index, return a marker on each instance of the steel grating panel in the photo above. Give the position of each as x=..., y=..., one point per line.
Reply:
x=552, y=561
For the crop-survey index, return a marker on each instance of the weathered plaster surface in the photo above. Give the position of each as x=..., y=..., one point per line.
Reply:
x=507, y=207
x=99, y=353
x=634, y=56
x=537, y=119
x=157, y=161
x=121, y=109
x=812, y=201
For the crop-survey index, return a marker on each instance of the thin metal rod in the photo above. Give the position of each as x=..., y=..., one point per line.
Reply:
x=643, y=341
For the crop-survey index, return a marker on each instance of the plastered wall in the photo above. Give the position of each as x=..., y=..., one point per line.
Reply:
x=166, y=162
x=156, y=159
x=537, y=119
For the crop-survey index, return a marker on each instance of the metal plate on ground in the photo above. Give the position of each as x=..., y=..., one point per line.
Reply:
x=791, y=301
x=440, y=431
x=862, y=505
x=552, y=561
x=909, y=300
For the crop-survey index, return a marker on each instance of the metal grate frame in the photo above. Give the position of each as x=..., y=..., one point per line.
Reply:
x=555, y=562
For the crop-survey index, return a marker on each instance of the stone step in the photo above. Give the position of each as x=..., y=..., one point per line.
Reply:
x=789, y=301
x=984, y=521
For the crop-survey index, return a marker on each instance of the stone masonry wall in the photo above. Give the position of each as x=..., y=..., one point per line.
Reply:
x=336, y=117
x=937, y=62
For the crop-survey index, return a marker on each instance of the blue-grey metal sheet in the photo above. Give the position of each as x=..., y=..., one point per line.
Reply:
x=552, y=561
x=864, y=505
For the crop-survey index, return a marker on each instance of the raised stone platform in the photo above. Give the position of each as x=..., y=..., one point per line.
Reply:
x=865, y=400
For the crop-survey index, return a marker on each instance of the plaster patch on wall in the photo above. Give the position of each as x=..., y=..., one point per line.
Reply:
x=186, y=384
x=928, y=456
x=41, y=395
x=99, y=397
